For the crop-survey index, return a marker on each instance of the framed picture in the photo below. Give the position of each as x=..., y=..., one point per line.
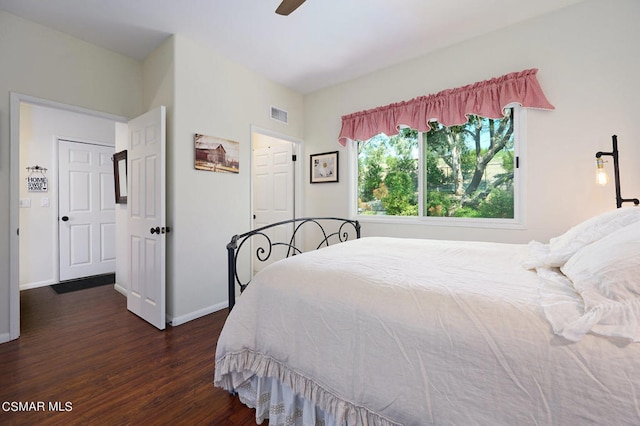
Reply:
x=215, y=154
x=120, y=176
x=324, y=167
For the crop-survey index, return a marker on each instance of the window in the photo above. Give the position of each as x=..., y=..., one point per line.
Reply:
x=468, y=171
x=388, y=174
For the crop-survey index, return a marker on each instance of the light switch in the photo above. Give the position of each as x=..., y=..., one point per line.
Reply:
x=25, y=202
x=44, y=202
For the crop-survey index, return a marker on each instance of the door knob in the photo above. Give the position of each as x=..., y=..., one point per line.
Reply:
x=65, y=218
x=155, y=230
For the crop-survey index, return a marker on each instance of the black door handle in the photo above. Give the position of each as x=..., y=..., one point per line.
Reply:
x=65, y=218
x=155, y=230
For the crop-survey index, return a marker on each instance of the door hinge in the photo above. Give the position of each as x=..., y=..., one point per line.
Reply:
x=294, y=157
x=517, y=162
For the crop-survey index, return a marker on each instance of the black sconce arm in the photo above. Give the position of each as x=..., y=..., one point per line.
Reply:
x=616, y=173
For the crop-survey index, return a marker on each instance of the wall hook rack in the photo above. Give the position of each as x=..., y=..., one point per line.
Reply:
x=36, y=168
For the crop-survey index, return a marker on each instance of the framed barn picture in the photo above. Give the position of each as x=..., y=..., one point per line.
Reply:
x=216, y=154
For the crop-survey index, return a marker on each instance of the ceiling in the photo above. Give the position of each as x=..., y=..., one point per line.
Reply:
x=322, y=43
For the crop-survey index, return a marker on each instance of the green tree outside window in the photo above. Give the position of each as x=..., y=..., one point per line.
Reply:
x=467, y=171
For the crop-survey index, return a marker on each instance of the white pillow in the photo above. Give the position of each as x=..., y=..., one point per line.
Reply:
x=606, y=274
x=561, y=248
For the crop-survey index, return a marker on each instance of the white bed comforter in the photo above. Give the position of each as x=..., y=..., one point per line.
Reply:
x=418, y=332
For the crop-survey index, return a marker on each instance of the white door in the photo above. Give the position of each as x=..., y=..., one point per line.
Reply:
x=86, y=210
x=146, y=207
x=273, y=192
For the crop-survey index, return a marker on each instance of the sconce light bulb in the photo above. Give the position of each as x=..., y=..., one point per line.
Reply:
x=601, y=174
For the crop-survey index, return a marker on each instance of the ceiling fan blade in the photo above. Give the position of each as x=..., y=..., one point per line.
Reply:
x=288, y=6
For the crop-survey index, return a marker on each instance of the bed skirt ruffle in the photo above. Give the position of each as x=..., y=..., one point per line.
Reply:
x=286, y=397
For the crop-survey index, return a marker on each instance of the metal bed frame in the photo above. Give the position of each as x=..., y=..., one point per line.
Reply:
x=343, y=229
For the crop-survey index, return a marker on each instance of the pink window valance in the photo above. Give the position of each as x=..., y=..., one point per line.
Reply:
x=449, y=107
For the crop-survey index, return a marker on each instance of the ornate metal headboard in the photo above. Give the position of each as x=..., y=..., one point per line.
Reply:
x=330, y=230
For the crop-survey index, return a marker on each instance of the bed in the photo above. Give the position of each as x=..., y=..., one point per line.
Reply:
x=390, y=331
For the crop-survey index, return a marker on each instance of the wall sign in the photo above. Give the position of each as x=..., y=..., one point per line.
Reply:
x=37, y=181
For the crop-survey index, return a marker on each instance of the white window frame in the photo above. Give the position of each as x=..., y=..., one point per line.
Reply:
x=519, y=202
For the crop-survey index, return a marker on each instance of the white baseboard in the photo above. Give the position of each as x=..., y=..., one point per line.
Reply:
x=117, y=287
x=37, y=284
x=175, y=321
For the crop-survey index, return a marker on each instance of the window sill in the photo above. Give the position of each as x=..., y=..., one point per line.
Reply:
x=454, y=222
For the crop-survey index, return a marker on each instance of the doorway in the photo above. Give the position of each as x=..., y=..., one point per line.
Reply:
x=86, y=210
x=32, y=146
x=276, y=186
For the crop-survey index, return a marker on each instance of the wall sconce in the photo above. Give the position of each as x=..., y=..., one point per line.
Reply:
x=601, y=175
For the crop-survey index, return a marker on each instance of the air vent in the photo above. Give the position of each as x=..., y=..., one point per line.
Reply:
x=279, y=114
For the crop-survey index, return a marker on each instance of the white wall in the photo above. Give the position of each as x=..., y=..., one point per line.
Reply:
x=589, y=71
x=47, y=64
x=40, y=128
x=209, y=94
x=217, y=97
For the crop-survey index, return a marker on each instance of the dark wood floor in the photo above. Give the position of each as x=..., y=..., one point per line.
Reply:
x=83, y=352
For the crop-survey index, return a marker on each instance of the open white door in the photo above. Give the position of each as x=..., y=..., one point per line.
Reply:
x=147, y=228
